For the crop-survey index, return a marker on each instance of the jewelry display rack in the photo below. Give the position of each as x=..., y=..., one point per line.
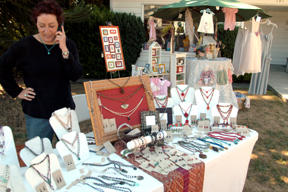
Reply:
x=73, y=143
x=182, y=93
x=178, y=69
x=225, y=111
x=8, y=150
x=35, y=147
x=184, y=109
x=63, y=121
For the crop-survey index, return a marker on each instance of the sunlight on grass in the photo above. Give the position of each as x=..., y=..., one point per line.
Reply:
x=254, y=156
x=272, y=150
x=284, y=153
x=272, y=181
x=282, y=162
x=265, y=97
x=284, y=179
x=261, y=153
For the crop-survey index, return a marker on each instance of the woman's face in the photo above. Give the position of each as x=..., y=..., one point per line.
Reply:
x=47, y=25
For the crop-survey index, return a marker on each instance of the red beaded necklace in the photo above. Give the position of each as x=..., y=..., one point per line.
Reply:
x=186, y=113
x=223, y=113
x=207, y=96
x=162, y=103
x=183, y=93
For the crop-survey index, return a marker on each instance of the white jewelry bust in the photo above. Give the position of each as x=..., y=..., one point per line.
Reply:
x=211, y=96
x=185, y=108
x=182, y=93
x=83, y=147
x=35, y=145
x=224, y=107
x=15, y=180
x=59, y=121
x=9, y=150
x=33, y=177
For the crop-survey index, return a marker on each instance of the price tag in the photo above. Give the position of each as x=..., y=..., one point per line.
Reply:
x=178, y=118
x=202, y=116
x=58, y=179
x=69, y=163
x=216, y=120
x=163, y=124
x=41, y=188
x=154, y=128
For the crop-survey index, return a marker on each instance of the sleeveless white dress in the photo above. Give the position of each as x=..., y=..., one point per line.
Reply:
x=206, y=23
x=248, y=50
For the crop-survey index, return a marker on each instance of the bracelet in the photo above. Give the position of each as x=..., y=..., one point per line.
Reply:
x=65, y=54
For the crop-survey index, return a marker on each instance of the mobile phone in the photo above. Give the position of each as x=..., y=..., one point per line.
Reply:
x=60, y=27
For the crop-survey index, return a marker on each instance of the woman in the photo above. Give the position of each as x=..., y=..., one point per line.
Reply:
x=48, y=61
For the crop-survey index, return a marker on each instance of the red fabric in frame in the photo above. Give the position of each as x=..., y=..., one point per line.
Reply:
x=115, y=105
x=179, y=180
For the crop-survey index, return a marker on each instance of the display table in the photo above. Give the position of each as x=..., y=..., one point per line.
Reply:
x=195, y=66
x=226, y=171
x=148, y=184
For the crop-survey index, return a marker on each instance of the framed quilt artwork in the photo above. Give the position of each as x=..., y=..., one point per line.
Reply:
x=111, y=43
x=125, y=103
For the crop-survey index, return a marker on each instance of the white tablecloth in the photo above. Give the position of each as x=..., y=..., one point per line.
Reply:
x=148, y=184
x=226, y=171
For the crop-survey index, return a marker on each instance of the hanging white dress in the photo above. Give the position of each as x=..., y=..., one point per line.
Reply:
x=248, y=50
x=206, y=23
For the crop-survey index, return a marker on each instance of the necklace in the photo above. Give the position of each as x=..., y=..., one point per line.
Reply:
x=48, y=49
x=47, y=177
x=33, y=152
x=127, y=113
x=162, y=103
x=65, y=142
x=223, y=113
x=2, y=141
x=120, y=86
x=194, y=147
x=183, y=93
x=207, y=96
x=186, y=113
x=4, y=178
x=122, y=99
x=68, y=124
x=233, y=137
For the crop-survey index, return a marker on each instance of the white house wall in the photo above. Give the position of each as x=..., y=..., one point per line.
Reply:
x=279, y=16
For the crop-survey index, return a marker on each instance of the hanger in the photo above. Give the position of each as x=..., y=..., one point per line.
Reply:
x=269, y=22
x=207, y=11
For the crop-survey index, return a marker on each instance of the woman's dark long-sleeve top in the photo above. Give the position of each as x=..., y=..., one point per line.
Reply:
x=48, y=75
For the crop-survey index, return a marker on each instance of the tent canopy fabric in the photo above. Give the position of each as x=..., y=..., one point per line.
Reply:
x=176, y=11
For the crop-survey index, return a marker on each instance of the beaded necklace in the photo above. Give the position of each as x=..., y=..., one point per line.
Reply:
x=4, y=178
x=47, y=177
x=2, y=141
x=223, y=113
x=68, y=144
x=183, y=93
x=120, y=86
x=48, y=49
x=185, y=112
x=195, y=147
x=162, y=103
x=233, y=137
x=33, y=152
x=207, y=96
x=68, y=124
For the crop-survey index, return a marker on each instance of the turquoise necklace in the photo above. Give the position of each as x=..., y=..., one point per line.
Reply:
x=48, y=49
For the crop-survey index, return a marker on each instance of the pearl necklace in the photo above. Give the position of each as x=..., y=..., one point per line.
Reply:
x=207, y=96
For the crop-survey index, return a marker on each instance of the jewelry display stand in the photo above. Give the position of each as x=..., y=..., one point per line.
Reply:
x=15, y=180
x=182, y=93
x=211, y=100
x=225, y=112
x=46, y=165
x=71, y=146
x=35, y=146
x=64, y=126
x=185, y=109
x=163, y=102
x=9, y=155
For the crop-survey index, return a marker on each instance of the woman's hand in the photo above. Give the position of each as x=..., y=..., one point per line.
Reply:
x=61, y=39
x=27, y=94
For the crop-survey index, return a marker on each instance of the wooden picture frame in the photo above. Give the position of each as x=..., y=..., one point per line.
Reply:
x=91, y=89
x=148, y=119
